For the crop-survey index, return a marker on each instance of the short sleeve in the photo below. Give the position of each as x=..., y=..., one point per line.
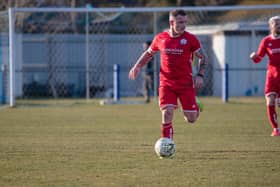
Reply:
x=154, y=45
x=262, y=49
x=195, y=43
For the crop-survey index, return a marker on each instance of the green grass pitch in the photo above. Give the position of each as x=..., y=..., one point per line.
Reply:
x=113, y=146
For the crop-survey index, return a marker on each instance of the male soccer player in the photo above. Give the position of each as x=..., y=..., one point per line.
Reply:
x=148, y=76
x=176, y=47
x=270, y=46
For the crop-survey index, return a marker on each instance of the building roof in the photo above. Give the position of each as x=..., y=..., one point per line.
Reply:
x=234, y=26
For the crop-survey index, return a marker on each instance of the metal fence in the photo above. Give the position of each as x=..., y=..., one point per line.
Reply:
x=70, y=52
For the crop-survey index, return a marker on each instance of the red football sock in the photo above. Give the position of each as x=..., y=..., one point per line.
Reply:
x=167, y=130
x=272, y=116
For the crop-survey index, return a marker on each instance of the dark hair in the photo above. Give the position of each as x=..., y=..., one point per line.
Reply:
x=177, y=12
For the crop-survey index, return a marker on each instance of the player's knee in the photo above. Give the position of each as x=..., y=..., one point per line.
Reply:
x=168, y=110
x=167, y=114
x=270, y=99
x=190, y=120
x=191, y=117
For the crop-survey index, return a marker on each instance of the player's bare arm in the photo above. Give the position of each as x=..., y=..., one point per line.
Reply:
x=142, y=61
x=201, y=67
x=202, y=61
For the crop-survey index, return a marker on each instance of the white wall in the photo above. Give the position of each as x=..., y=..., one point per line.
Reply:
x=245, y=77
x=107, y=50
x=218, y=58
x=32, y=50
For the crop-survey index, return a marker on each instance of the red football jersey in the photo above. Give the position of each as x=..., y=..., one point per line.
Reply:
x=270, y=46
x=176, y=58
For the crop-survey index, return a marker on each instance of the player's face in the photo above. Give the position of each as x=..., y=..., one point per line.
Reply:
x=178, y=24
x=275, y=27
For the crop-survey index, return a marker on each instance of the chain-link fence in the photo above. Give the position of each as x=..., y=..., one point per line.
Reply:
x=70, y=52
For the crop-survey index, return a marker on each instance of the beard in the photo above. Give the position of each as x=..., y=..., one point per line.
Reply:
x=180, y=31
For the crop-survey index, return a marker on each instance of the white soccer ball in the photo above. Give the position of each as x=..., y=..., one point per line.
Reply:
x=165, y=148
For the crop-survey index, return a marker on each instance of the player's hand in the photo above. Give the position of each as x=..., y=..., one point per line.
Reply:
x=255, y=57
x=133, y=73
x=199, y=82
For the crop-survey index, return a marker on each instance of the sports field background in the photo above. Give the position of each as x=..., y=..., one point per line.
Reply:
x=112, y=146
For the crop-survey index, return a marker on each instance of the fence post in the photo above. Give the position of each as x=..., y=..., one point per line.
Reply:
x=12, y=57
x=116, y=82
x=3, y=83
x=225, y=83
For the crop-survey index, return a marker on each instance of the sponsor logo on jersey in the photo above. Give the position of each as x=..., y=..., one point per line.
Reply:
x=183, y=41
x=275, y=51
x=173, y=51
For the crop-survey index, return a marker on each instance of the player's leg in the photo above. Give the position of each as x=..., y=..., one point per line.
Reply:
x=167, y=125
x=271, y=97
x=189, y=105
x=149, y=88
x=199, y=104
x=168, y=103
x=278, y=95
x=271, y=113
x=146, y=89
x=191, y=116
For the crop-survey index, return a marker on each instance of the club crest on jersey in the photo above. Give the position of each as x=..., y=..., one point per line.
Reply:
x=183, y=41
